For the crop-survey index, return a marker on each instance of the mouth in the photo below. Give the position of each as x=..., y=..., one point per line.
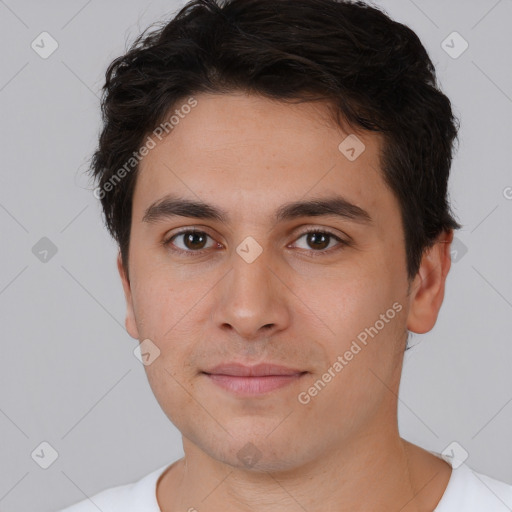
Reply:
x=252, y=380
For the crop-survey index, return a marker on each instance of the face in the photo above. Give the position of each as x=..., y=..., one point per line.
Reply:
x=251, y=287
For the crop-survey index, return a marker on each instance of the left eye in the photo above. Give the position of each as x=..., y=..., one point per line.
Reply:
x=195, y=242
x=320, y=240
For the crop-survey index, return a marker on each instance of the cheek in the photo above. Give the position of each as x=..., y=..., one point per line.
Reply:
x=163, y=300
x=173, y=393
x=364, y=315
x=348, y=300
x=167, y=314
x=363, y=364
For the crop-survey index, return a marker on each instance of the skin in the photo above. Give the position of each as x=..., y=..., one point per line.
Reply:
x=341, y=451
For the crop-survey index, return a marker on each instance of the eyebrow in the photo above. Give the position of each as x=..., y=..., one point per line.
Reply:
x=171, y=206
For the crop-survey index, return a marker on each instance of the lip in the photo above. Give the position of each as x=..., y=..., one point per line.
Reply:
x=252, y=380
x=260, y=370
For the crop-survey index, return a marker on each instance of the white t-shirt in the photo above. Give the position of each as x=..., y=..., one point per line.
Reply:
x=467, y=491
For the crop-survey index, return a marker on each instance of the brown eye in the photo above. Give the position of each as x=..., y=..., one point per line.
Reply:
x=318, y=240
x=189, y=241
x=194, y=240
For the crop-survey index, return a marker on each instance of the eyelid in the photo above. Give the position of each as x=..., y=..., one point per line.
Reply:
x=342, y=240
x=166, y=242
x=188, y=229
x=335, y=233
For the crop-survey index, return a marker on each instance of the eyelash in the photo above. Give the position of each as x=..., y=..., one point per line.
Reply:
x=341, y=243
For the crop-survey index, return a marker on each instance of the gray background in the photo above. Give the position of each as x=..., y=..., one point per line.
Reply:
x=68, y=374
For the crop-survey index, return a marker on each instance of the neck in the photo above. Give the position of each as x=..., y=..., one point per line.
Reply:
x=378, y=472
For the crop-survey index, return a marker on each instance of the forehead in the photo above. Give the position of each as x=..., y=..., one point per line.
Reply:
x=248, y=153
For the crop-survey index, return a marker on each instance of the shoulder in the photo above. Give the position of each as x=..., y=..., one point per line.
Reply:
x=139, y=496
x=471, y=491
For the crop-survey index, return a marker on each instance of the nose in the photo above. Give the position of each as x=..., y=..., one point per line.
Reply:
x=251, y=299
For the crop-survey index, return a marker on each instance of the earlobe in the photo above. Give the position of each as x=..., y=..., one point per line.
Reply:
x=129, y=323
x=427, y=290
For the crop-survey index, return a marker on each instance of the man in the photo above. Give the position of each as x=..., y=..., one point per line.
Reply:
x=275, y=174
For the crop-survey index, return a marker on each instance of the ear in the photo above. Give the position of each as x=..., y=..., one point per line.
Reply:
x=129, y=322
x=427, y=288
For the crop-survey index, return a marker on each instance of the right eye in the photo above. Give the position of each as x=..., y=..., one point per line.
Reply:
x=193, y=242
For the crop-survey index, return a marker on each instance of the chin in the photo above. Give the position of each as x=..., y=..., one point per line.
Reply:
x=257, y=451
